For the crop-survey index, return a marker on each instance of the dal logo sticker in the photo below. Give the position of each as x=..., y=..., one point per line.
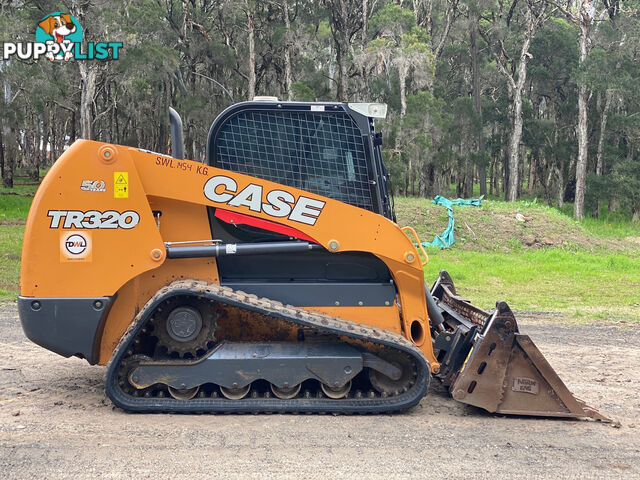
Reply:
x=75, y=246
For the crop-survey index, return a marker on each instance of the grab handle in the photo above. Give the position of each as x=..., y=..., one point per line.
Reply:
x=418, y=243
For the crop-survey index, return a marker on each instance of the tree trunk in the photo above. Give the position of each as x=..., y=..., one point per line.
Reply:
x=416, y=8
x=522, y=168
x=560, y=189
x=251, y=89
x=51, y=154
x=403, y=72
x=514, y=146
x=9, y=153
x=581, y=163
x=450, y=18
x=600, y=151
x=429, y=18
x=40, y=143
x=491, y=180
x=412, y=179
x=341, y=56
x=88, y=75
x=365, y=23
x=516, y=87
x=406, y=180
x=332, y=68
x=475, y=80
x=532, y=173
x=1, y=155
x=163, y=130
x=363, y=47
x=287, y=51
x=516, y=118
x=74, y=130
x=341, y=36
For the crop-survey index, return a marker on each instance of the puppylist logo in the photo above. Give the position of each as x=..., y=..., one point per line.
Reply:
x=59, y=36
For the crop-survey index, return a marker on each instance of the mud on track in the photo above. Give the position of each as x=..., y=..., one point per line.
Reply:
x=55, y=422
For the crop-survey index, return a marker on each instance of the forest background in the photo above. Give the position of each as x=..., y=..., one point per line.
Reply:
x=515, y=98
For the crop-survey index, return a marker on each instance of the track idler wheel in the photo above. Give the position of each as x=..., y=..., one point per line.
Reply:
x=388, y=386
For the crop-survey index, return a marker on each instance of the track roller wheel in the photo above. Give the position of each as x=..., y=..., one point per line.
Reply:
x=235, y=393
x=183, y=393
x=336, y=392
x=286, y=393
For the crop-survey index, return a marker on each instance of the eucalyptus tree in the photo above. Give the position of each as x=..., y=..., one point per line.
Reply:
x=346, y=21
x=508, y=29
x=401, y=46
x=550, y=132
x=585, y=14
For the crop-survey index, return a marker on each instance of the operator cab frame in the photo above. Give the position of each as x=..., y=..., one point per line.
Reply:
x=327, y=148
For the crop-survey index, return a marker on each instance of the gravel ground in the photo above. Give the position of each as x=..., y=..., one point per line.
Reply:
x=55, y=422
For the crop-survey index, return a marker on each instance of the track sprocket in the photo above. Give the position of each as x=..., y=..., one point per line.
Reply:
x=388, y=386
x=185, y=326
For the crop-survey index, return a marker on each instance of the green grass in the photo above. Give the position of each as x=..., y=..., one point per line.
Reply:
x=494, y=227
x=14, y=208
x=586, y=271
x=580, y=285
x=10, y=249
x=607, y=225
x=15, y=202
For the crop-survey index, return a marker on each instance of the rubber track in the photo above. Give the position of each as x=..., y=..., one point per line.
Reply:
x=299, y=316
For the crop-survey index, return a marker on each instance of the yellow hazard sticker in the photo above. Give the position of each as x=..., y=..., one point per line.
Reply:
x=120, y=184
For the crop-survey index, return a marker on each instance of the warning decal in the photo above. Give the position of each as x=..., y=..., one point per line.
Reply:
x=120, y=184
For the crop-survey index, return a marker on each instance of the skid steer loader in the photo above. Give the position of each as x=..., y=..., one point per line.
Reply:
x=270, y=278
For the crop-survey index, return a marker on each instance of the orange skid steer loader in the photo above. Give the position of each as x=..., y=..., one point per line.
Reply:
x=272, y=278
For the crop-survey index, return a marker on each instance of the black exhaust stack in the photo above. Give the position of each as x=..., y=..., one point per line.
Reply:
x=177, y=146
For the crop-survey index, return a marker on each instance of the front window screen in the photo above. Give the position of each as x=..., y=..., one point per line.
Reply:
x=317, y=152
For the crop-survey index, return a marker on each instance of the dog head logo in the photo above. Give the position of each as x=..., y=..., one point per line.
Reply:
x=59, y=36
x=62, y=29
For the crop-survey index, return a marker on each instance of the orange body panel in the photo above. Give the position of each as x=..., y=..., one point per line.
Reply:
x=177, y=218
x=117, y=255
x=387, y=318
x=131, y=263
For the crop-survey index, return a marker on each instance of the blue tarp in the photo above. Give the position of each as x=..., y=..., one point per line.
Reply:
x=446, y=239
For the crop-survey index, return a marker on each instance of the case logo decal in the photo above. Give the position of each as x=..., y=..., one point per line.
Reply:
x=278, y=204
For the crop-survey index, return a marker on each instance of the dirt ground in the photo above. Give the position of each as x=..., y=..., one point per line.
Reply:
x=55, y=422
